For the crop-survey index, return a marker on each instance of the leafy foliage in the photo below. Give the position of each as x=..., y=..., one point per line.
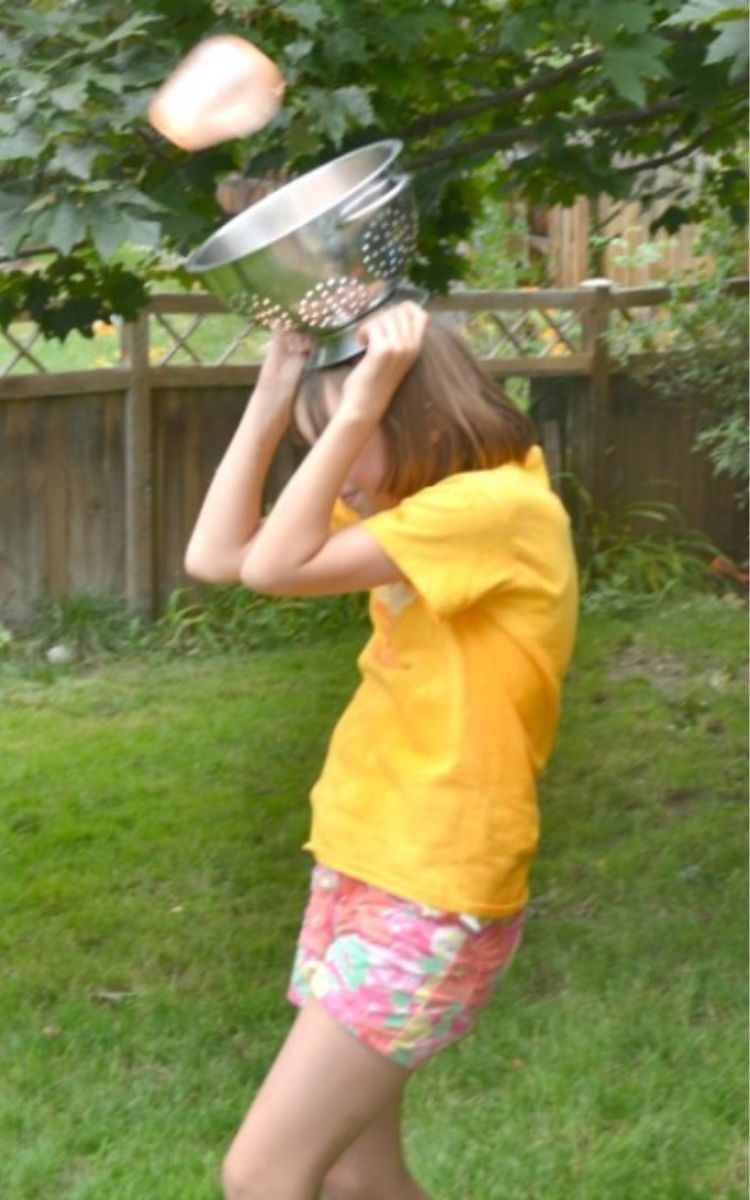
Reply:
x=552, y=98
x=88, y=626
x=698, y=345
x=636, y=555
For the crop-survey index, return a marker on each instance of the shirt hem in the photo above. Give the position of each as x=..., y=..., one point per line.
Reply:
x=431, y=900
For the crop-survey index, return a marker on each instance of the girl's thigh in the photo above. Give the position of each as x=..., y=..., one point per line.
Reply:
x=323, y=1090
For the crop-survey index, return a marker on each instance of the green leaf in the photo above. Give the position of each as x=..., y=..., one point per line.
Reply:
x=106, y=234
x=305, y=13
x=98, y=185
x=700, y=12
x=731, y=43
x=108, y=81
x=338, y=111
x=26, y=143
x=672, y=219
x=301, y=140
x=11, y=52
x=69, y=98
x=356, y=104
x=40, y=202
x=608, y=20
x=61, y=226
x=138, y=230
x=623, y=70
x=629, y=63
x=294, y=52
x=136, y=23
x=15, y=227
x=76, y=159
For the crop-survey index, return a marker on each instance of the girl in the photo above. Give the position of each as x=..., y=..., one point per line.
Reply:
x=423, y=484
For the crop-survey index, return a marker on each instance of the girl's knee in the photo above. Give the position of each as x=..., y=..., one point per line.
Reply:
x=243, y=1180
x=234, y=1182
x=344, y=1184
x=246, y=1177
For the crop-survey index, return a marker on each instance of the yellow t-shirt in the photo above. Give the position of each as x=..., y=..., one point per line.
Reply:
x=428, y=789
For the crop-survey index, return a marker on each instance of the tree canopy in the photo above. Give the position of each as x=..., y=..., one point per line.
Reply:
x=550, y=98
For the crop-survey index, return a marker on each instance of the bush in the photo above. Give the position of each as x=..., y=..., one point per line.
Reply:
x=227, y=618
x=698, y=344
x=635, y=555
x=91, y=626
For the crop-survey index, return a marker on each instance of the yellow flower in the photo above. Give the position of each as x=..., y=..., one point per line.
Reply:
x=104, y=329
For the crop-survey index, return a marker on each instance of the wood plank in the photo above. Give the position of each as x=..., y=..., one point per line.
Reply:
x=245, y=374
x=457, y=301
x=186, y=302
x=226, y=375
x=65, y=383
x=510, y=300
x=563, y=364
x=138, y=499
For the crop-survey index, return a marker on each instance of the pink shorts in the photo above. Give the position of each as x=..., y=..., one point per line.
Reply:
x=405, y=979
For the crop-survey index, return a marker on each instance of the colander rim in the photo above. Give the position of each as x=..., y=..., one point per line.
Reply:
x=303, y=182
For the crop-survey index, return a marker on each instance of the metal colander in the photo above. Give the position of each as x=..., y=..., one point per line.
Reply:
x=320, y=252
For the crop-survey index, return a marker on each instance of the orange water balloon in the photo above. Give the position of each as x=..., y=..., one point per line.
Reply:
x=224, y=88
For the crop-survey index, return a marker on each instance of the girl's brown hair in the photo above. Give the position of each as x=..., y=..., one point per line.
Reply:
x=446, y=416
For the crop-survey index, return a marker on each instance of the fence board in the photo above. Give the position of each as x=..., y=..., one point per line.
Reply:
x=192, y=427
x=61, y=510
x=654, y=459
x=96, y=382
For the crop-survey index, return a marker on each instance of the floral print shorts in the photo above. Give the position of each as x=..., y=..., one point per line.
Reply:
x=405, y=979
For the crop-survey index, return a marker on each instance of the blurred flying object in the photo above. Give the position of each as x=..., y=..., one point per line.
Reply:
x=224, y=88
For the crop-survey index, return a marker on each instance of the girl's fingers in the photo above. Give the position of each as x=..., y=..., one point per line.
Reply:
x=400, y=328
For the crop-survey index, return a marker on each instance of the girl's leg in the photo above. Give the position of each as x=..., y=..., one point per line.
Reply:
x=324, y=1089
x=373, y=1167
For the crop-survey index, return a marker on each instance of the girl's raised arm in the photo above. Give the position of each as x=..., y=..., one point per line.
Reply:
x=231, y=512
x=295, y=553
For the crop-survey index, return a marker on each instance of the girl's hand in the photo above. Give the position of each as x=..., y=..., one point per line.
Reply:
x=393, y=342
x=283, y=364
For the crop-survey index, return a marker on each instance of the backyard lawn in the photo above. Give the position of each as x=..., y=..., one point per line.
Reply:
x=152, y=813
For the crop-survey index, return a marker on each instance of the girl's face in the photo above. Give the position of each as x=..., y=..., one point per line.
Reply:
x=362, y=488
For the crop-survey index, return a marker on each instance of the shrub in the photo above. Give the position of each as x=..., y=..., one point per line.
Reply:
x=634, y=555
x=698, y=344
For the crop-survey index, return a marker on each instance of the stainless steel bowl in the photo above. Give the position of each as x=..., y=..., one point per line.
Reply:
x=320, y=252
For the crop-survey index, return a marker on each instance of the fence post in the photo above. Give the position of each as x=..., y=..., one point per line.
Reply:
x=590, y=447
x=139, y=490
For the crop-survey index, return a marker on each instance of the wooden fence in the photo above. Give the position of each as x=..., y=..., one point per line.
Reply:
x=614, y=238
x=102, y=471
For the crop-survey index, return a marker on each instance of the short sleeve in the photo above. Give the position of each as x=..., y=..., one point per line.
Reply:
x=454, y=541
x=343, y=516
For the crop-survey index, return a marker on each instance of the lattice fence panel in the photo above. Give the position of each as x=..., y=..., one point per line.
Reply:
x=204, y=339
x=536, y=333
x=25, y=351
x=20, y=349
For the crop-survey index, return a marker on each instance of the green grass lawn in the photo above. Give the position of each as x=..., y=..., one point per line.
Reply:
x=151, y=884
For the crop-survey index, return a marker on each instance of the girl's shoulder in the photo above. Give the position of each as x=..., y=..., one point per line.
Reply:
x=491, y=487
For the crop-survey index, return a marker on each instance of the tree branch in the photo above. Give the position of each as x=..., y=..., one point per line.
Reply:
x=537, y=83
x=526, y=134
x=663, y=160
x=634, y=116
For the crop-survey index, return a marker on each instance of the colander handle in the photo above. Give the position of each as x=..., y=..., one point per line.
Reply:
x=352, y=211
